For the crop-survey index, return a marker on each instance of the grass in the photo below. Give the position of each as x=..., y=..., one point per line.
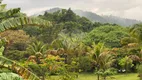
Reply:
x=87, y=76
x=132, y=76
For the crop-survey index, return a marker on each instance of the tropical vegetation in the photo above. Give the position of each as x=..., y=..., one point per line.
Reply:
x=64, y=46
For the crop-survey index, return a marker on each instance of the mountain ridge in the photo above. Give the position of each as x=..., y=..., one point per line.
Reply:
x=98, y=18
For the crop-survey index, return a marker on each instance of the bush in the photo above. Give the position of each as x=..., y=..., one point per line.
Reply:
x=139, y=68
x=17, y=55
x=85, y=64
x=38, y=69
x=21, y=46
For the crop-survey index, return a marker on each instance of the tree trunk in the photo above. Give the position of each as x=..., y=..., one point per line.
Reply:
x=140, y=75
x=98, y=76
x=43, y=78
x=104, y=77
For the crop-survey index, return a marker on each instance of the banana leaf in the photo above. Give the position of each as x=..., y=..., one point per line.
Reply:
x=20, y=70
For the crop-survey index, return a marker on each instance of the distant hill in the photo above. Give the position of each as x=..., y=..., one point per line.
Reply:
x=106, y=19
x=50, y=11
x=91, y=16
x=120, y=21
x=98, y=18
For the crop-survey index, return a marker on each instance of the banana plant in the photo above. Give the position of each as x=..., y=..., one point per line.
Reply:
x=12, y=23
x=9, y=76
x=9, y=64
x=21, y=21
x=6, y=14
x=12, y=19
x=23, y=72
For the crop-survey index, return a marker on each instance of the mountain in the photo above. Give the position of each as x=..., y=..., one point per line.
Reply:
x=120, y=21
x=49, y=11
x=107, y=19
x=98, y=18
x=91, y=16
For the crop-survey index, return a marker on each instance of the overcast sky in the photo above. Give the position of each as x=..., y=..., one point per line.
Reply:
x=124, y=8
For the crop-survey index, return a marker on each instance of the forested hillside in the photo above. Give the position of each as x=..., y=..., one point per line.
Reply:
x=99, y=18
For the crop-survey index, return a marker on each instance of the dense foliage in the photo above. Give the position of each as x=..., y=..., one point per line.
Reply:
x=66, y=44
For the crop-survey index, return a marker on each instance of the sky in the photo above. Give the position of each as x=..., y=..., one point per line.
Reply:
x=131, y=9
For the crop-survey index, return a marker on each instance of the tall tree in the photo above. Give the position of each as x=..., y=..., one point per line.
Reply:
x=103, y=60
x=69, y=16
x=136, y=31
x=96, y=56
x=110, y=35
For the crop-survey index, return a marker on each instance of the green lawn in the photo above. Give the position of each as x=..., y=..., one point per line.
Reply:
x=132, y=76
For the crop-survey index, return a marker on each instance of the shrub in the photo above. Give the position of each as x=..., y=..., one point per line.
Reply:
x=85, y=63
x=139, y=68
x=17, y=55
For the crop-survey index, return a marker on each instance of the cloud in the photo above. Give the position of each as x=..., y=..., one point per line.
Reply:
x=134, y=13
x=35, y=10
x=14, y=1
x=123, y=8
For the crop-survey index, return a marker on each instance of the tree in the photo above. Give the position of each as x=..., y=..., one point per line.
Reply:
x=103, y=60
x=69, y=16
x=73, y=45
x=33, y=31
x=127, y=40
x=48, y=34
x=17, y=42
x=113, y=38
x=71, y=27
x=37, y=47
x=109, y=35
x=86, y=25
x=96, y=56
x=15, y=37
x=139, y=68
x=126, y=63
x=136, y=32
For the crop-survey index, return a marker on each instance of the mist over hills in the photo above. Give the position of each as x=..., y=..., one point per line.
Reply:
x=99, y=18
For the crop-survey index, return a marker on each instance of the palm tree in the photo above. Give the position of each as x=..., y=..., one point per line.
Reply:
x=96, y=56
x=72, y=45
x=37, y=49
x=136, y=31
x=102, y=59
x=106, y=61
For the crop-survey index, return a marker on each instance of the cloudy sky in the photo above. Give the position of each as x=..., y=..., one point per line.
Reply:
x=124, y=8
